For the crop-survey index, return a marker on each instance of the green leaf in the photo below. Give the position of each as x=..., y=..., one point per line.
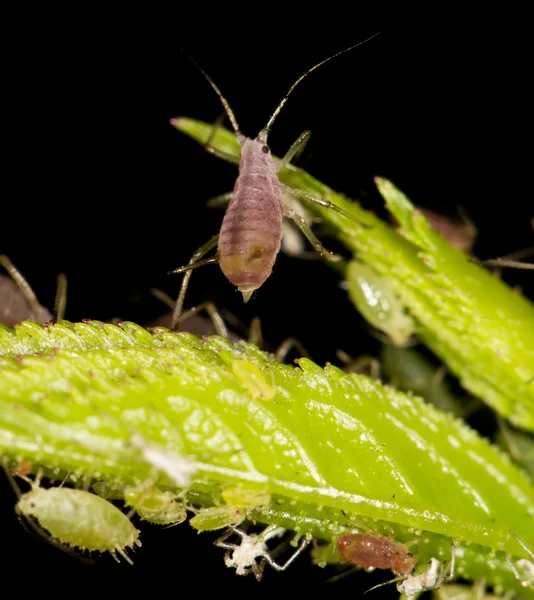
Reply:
x=321, y=442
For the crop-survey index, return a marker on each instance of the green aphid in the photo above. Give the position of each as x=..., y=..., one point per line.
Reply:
x=246, y=497
x=218, y=517
x=80, y=519
x=154, y=505
x=378, y=304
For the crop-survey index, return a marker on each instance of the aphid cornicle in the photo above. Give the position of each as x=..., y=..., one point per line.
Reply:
x=251, y=231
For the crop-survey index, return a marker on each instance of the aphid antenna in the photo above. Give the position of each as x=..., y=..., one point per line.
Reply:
x=224, y=101
x=64, y=480
x=262, y=136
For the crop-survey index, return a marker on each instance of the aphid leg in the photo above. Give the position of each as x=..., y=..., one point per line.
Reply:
x=303, y=544
x=194, y=262
x=295, y=151
x=208, y=306
x=61, y=298
x=220, y=201
x=512, y=264
x=511, y=260
x=286, y=346
x=364, y=364
x=312, y=238
x=313, y=199
x=293, y=242
x=213, y=314
x=124, y=555
x=24, y=286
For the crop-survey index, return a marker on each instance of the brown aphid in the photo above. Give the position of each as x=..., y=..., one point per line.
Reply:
x=366, y=550
x=251, y=231
x=460, y=235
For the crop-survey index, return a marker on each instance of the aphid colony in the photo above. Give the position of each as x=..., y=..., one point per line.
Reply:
x=82, y=520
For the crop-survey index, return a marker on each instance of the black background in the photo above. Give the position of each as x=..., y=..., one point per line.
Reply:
x=98, y=185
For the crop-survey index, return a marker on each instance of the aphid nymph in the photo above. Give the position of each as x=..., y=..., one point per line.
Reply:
x=367, y=550
x=79, y=519
x=251, y=231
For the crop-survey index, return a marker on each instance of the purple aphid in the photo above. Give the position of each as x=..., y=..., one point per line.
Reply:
x=251, y=231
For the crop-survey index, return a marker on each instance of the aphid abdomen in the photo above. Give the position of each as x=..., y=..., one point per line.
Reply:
x=366, y=550
x=251, y=230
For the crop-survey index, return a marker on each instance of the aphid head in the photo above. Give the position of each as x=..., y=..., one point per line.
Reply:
x=31, y=502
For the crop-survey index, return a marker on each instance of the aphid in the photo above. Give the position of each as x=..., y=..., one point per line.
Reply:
x=108, y=491
x=80, y=519
x=245, y=497
x=154, y=505
x=378, y=304
x=252, y=379
x=18, y=301
x=460, y=235
x=218, y=517
x=251, y=231
x=243, y=556
x=367, y=550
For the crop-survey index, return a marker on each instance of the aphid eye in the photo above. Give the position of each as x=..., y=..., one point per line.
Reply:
x=265, y=149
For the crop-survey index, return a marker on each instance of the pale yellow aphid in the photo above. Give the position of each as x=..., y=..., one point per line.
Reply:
x=80, y=519
x=253, y=380
x=246, y=497
x=218, y=517
x=378, y=304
